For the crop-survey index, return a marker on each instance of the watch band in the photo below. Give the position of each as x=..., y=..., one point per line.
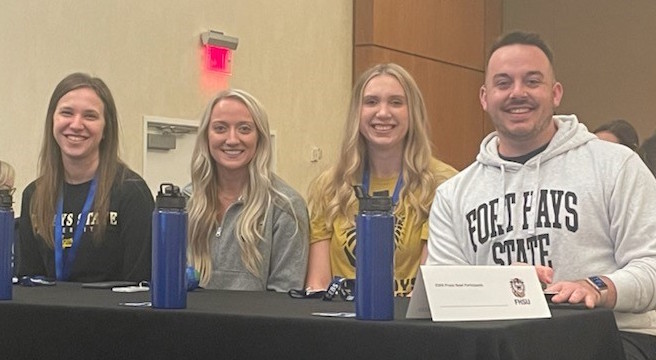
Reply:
x=597, y=283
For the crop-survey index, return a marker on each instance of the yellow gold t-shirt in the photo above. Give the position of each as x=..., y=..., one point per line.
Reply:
x=409, y=236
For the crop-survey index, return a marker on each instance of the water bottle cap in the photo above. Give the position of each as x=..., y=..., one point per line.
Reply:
x=170, y=197
x=380, y=201
x=6, y=200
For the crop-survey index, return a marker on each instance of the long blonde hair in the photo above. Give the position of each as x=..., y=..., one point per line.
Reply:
x=51, y=168
x=258, y=194
x=331, y=193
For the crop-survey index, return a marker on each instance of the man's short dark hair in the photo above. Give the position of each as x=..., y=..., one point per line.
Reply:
x=521, y=38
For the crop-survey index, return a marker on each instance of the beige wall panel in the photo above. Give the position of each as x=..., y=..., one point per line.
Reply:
x=294, y=55
x=451, y=95
x=604, y=55
x=493, y=23
x=530, y=15
x=445, y=30
x=493, y=28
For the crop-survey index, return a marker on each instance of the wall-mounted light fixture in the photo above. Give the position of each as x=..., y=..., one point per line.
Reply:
x=217, y=38
x=163, y=136
x=218, y=50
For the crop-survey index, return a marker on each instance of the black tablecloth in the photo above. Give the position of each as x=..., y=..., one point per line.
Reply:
x=67, y=321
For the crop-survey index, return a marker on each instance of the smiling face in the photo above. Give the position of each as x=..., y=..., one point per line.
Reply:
x=78, y=125
x=520, y=95
x=232, y=135
x=384, y=114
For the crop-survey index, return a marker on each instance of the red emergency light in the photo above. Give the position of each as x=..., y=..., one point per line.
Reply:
x=218, y=59
x=218, y=51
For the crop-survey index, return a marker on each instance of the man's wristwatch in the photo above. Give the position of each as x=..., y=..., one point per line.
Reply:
x=597, y=283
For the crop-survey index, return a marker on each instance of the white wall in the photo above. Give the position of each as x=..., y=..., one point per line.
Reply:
x=294, y=55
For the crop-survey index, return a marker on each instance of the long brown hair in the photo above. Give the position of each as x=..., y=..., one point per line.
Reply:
x=50, y=179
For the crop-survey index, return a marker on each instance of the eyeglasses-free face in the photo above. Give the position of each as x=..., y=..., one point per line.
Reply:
x=520, y=95
x=232, y=135
x=78, y=125
x=384, y=113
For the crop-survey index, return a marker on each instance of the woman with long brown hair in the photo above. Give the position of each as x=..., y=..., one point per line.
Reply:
x=101, y=209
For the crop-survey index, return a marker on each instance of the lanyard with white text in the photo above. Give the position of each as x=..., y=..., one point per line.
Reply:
x=63, y=266
x=365, y=183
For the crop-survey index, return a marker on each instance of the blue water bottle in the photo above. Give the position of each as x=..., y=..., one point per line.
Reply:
x=374, y=270
x=6, y=242
x=168, y=285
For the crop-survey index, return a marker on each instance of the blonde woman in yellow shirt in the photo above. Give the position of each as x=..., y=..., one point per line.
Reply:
x=385, y=147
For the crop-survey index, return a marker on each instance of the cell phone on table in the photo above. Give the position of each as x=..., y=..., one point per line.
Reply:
x=107, y=284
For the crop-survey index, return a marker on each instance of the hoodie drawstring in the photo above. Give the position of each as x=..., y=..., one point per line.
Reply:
x=502, y=215
x=532, y=222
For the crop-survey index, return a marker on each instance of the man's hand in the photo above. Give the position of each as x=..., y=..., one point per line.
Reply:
x=545, y=273
x=575, y=292
x=580, y=291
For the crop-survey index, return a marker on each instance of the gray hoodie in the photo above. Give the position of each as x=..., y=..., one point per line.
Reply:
x=595, y=215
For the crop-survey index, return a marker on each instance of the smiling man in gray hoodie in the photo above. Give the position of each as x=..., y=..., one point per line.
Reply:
x=545, y=191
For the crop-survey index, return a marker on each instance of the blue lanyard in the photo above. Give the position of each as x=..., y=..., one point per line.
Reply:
x=365, y=183
x=63, y=265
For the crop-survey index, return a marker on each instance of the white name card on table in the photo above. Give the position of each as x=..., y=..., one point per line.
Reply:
x=467, y=293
